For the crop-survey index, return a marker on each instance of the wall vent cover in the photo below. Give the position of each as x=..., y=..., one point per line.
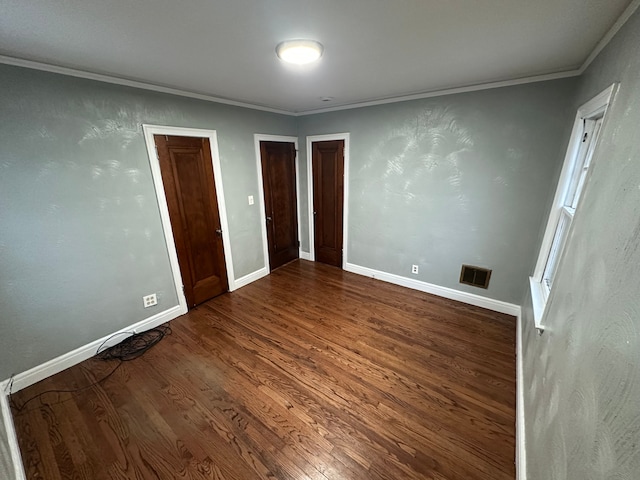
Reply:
x=476, y=276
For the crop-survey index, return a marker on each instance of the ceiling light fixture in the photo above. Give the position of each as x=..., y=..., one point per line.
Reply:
x=299, y=52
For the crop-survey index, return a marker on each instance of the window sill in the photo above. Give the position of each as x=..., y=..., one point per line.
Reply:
x=539, y=304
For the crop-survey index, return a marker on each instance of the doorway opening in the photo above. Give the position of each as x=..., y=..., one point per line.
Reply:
x=280, y=201
x=278, y=180
x=186, y=172
x=327, y=167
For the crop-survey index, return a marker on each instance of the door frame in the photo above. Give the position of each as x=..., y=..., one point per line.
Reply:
x=345, y=200
x=257, y=138
x=151, y=130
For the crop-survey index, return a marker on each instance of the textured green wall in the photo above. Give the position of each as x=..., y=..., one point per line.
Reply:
x=456, y=179
x=582, y=376
x=81, y=239
x=450, y=180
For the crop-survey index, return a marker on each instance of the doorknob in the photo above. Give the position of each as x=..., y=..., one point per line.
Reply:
x=268, y=219
x=219, y=232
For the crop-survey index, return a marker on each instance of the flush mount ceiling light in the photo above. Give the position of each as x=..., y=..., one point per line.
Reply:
x=299, y=52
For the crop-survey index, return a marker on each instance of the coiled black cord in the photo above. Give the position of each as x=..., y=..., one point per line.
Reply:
x=132, y=347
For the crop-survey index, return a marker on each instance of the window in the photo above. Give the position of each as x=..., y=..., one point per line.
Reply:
x=578, y=159
x=589, y=135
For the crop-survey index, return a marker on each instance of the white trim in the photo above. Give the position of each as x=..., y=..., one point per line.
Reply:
x=312, y=248
x=521, y=451
x=149, y=132
x=538, y=301
x=345, y=202
x=597, y=106
x=626, y=15
x=19, y=62
x=56, y=365
x=12, y=438
x=69, y=359
x=628, y=12
x=298, y=213
x=257, y=138
x=99, y=77
x=547, y=240
x=305, y=255
x=345, y=197
x=450, y=293
x=156, y=174
x=604, y=41
x=252, y=277
x=446, y=91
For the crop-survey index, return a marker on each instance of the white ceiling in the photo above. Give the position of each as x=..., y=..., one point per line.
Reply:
x=374, y=49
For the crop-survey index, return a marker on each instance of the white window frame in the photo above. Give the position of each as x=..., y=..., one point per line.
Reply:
x=575, y=169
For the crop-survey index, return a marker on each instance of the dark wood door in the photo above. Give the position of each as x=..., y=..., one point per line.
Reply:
x=187, y=175
x=328, y=192
x=279, y=181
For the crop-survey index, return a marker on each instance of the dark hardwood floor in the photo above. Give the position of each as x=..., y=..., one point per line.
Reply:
x=309, y=373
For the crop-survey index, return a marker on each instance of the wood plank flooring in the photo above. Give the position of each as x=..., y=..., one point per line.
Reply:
x=309, y=373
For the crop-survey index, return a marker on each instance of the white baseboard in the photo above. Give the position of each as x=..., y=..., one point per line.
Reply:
x=450, y=293
x=12, y=438
x=477, y=300
x=47, y=369
x=56, y=365
x=304, y=255
x=252, y=277
x=78, y=355
x=521, y=452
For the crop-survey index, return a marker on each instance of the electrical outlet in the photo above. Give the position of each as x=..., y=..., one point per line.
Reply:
x=250, y=199
x=150, y=300
x=414, y=269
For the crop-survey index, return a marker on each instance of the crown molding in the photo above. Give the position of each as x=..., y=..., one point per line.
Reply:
x=447, y=91
x=628, y=12
x=46, y=67
x=604, y=41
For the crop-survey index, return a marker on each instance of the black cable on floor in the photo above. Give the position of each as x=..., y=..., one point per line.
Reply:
x=132, y=347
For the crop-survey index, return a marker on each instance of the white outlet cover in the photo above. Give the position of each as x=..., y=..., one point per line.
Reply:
x=250, y=199
x=150, y=300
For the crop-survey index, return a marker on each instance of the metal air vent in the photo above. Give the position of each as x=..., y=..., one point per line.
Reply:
x=476, y=276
